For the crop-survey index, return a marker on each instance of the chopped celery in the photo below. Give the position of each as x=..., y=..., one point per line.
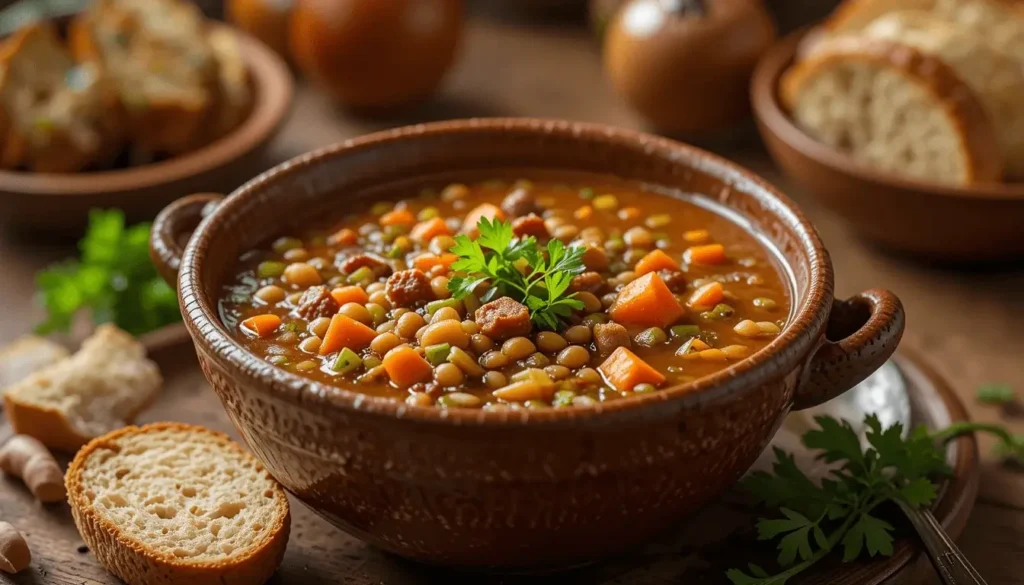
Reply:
x=437, y=354
x=346, y=361
x=435, y=306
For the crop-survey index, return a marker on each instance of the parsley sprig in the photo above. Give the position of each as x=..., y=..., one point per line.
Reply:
x=518, y=268
x=840, y=512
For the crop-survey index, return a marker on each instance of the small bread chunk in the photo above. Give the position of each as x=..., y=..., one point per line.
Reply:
x=896, y=108
x=26, y=355
x=174, y=504
x=100, y=388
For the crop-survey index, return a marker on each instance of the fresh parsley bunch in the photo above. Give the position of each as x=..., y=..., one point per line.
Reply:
x=839, y=513
x=114, y=280
x=496, y=256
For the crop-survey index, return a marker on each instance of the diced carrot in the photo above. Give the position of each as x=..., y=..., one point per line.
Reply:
x=425, y=262
x=491, y=212
x=708, y=255
x=346, y=332
x=350, y=294
x=654, y=261
x=696, y=236
x=646, y=301
x=706, y=296
x=585, y=212
x=425, y=230
x=261, y=325
x=343, y=237
x=405, y=367
x=397, y=217
x=629, y=213
x=624, y=370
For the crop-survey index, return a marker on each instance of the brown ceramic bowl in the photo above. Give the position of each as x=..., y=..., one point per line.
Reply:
x=930, y=220
x=61, y=202
x=514, y=489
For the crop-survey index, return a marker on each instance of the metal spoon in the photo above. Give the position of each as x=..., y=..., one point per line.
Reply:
x=951, y=564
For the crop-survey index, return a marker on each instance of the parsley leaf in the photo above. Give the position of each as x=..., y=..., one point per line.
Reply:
x=518, y=268
x=114, y=280
x=818, y=519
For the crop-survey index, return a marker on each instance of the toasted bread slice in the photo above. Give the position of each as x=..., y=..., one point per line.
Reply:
x=26, y=355
x=165, y=71
x=895, y=108
x=995, y=76
x=234, y=95
x=100, y=388
x=59, y=116
x=173, y=504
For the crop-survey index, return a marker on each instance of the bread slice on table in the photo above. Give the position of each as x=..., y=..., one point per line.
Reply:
x=995, y=76
x=173, y=504
x=102, y=387
x=26, y=355
x=58, y=116
x=894, y=108
x=164, y=69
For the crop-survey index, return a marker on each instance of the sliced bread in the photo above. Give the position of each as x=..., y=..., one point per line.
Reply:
x=894, y=108
x=165, y=71
x=172, y=504
x=59, y=116
x=100, y=388
x=995, y=76
x=26, y=355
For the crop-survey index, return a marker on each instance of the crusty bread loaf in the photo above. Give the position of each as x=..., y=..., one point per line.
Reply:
x=26, y=355
x=59, y=116
x=157, y=54
x=995, y=77
x=894, y=108
x=234, y=95
x=172, y=504
x=1001, y=22
x=100, y=388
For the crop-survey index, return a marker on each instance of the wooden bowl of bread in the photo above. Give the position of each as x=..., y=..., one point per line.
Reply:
x=906, y=117
x=130, y=104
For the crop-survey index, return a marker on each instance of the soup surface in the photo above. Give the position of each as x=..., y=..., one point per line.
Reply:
x=511, y=294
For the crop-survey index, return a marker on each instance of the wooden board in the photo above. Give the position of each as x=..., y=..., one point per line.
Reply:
x=699, y=552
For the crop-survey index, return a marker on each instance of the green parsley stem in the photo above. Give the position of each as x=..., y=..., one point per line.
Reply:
x=959, y=429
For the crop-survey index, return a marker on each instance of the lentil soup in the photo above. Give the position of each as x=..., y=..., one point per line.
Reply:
x=511, y=294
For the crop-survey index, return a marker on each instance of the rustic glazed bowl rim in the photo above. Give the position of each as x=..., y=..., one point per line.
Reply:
x=768, y=109
x=793, y=347
x=273, y=88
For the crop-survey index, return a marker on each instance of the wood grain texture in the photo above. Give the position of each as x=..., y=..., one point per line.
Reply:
x=967, y=322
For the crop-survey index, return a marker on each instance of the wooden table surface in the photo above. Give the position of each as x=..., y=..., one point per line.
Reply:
x=970, y=323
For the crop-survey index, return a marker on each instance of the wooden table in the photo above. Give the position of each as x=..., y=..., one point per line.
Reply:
x=971, y=323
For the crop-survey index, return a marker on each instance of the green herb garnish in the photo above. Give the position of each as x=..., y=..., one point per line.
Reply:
x=114, y=280
x=497, y=256
x=996, y=394
x=839, y=513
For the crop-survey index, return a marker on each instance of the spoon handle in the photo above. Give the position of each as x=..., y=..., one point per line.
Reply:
x=951, y=564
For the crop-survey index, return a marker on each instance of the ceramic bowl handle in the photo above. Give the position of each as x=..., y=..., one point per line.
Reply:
x=173, y=227
x=862, y=333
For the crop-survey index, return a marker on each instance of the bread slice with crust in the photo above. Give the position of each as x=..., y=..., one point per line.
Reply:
x=995, y=76
x=895, y=108
x=173, y=504
x=58, y=116
x=164, y=69
x=234, y=94
x=103, y=386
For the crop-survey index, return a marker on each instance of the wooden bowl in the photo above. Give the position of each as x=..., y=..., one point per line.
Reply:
x=930, y=220
x=33, y=202
x=526, y=489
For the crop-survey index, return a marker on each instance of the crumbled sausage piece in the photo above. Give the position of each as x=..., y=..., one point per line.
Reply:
x=316, y=302
x=530, y=225
x=675, y=280
x=408, y=288
x=590, y=282
x=519, y=203
x=350, y=264
x=610, y=336
x=503, y=318
x=595, y=258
